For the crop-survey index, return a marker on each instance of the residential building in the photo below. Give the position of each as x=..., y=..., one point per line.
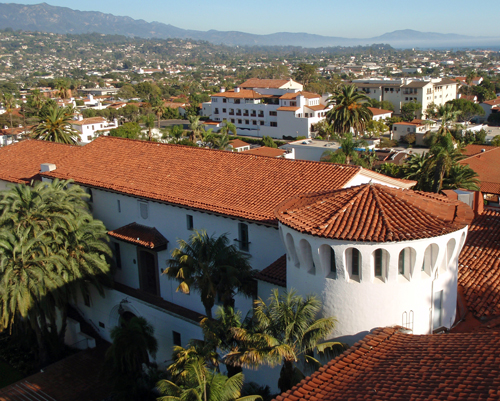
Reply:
x=380, y=114
x=405, y=90
x=490, y=106
x=91, y=128
x=270, y=152
x=269, y=107
x=238, y=145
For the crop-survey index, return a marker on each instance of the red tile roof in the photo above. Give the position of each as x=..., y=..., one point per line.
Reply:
x=374, y=213
x=307, y=95
x=390, y=365
x=317, y=107
x=242, y=94
x=148, y=237
x=471, y=150
x=287, y=108
x=275, y=273
x=91, y=120
x=479, y=265
x=493, y=102
x=238, y=143
x=230, y=183
x=264, y=83
x=20, y=162
x=487, y=166
x=265, y=151
x=377, y=112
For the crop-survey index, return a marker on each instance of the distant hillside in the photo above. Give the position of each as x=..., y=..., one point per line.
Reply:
x=45, y=18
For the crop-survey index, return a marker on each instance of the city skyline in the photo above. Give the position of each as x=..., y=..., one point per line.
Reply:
x=368, y=19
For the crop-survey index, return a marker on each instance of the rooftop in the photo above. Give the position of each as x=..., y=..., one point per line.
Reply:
x=265, y=151
x=264, y=83
x=390, y=365
x=479, y=265
x=374, y=213
x=242, y=94
x=486, y=165
x=275, y=273
x=137, y=234
x=241, y=185
x=377, y=112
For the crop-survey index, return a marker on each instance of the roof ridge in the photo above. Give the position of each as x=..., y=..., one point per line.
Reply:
x=374, y=189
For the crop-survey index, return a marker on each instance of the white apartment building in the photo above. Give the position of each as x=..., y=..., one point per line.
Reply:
x=270, y=107
x=91, y=128
x=337, y=231
x=405, y=90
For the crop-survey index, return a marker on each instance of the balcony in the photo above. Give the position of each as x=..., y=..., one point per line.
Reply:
x=238, y=112
x=231, y=113
x=245, y=114
x=254, y=114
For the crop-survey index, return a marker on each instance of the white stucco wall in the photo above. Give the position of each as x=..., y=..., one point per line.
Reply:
x=361, y=304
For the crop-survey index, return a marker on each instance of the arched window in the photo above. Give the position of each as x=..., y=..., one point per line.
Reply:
x=353, y=263
x=430, y=257
x=290, y=245
x=380, y=263
x=307, y=257
x=450, y=249
x=406, y=262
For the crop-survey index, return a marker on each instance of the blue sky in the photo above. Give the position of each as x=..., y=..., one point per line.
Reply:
x=347, y=18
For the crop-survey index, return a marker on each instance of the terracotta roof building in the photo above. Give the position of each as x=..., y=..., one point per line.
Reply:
x=391, y=365
x=486, y=165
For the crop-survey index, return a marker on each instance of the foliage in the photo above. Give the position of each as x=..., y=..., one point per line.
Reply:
x=376, y=128
x=410, y=110
x=468, y=110
x=350, y=110
x=306, y=73
x=495, y=141
x=209, y=265
x=132, y=343
x=347, y=152
x=494, y=119
x=127, y=130
x=149, y=122
x=56, y=127
x=51, y=250
x=269, y=142
x=410, y=138
x=286, y=330
x=384, y=104
x=202, y=384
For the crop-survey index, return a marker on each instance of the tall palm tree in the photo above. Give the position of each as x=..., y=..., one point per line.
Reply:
x=174, y=134
x=347, y=151
x=461, y=177
x=196, y=127
x=221, y=142
x=209, y=265
x=203, y=384
x=227, y=128
x=415, y=168
x=286, y=329
x=48, y=235
x=349, y=111
x=9, y=103
x=149, y=123
x=56, y=127
x=158, y=108
x=448, y=115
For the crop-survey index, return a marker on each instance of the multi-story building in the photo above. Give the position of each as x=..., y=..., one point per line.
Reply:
x=405, y=90
x=270, y=107
x=374, y=253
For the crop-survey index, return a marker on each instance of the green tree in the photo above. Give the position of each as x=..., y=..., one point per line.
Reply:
x=149, y=122
x=347, y=152
x=127, y=91
x=51, y=249
x=211, y=266
x=286, y=329
x=269, y=142
x=56, y=127
x=410, y=110
x=221, y=142
x=202, y=384
x=132, y=343
x=147, y=91
x=158, y=108
x=173, y=134
x=468, y=110
x=376, y=128
x=127, y=130
x=495, y=141
x=228, y=128
x=350, y=111
x=196, y=127
x=9, y=104
x=306, y=73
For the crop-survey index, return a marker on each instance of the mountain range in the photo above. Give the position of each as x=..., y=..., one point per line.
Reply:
x=46, y=18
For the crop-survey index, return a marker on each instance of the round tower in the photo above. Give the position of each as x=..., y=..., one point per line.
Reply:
x=376, y=256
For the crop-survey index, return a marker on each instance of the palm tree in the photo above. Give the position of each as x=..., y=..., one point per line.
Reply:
x=149, y=123
x=461, y=177
x=350, y=110
x=347, y=151
x=195, y=126
x=203, y=384
x=47, y=235
x=210, y=265
x=415, y=168
x=286, y=329
x=133, y=342
x=9, y=104
x=448, y=116
x=158, y=108
x=63, y=92
x=227, y=128
x=174, y=134
x=222, y=142
x=56, y=127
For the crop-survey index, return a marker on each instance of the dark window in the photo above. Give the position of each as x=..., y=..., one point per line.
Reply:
x=148, y=273
x=143, y=208
x=86, y=299
x=223, y=110
x=118, y=256
x=102, y=325
x=224, y=100
x=333, y=264
x=273, y=124
x=402, y=262
x=273, y=113
x=243, y=236
x=378, y=263
x=355, y=263
x=119, y=205
x=189, y=220
x=91, y=199
x=177, y=338
x=247, y=122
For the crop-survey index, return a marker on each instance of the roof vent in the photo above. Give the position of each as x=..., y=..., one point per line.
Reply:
x=46, y=167
x=237, y=89
x=222, y=89
x=483, y=150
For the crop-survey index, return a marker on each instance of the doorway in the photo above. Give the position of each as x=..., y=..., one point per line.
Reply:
x=148, y=272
